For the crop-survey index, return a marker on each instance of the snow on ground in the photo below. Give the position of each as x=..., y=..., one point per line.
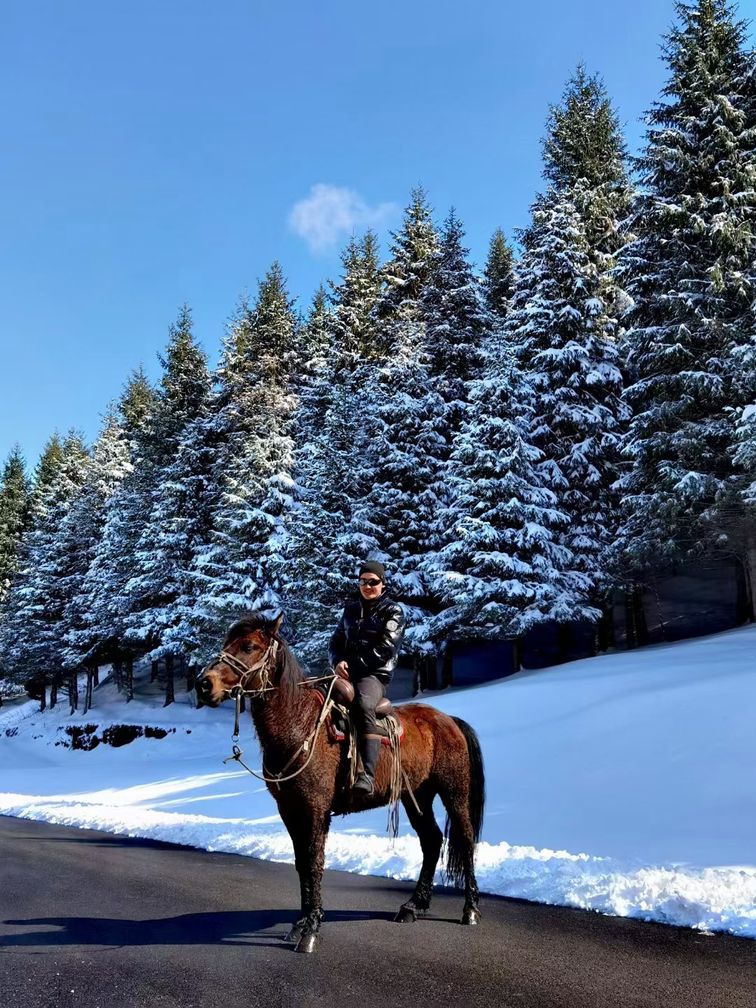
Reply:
x=623, y=784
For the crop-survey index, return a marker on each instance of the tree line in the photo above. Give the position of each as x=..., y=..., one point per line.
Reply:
x=517, y=445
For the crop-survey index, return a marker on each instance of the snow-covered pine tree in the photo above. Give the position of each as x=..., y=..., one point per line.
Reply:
x=562, y=338
x=498, y=278
x=77, y=538
x=454, y=317
x=137, y=402
x=585, y=161
x=179, y=474
x=357, y=351
x=690, y=272
x=15, y=493
x=103, y=597
x=584, y=147
x=11, y=619
x=394, y=403
x=325, y=546
x=185, y=511
x=313, y=385
x=745, y=453
x=455, y=327
x=503, y=567
x=310, y=531
x=81, y=532
x=398, y=506
x=405, y=276
x=30, y=639
x=356, y=301
x=253, y=433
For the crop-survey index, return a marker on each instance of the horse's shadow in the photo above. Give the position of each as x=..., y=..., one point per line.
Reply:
x=236, y=927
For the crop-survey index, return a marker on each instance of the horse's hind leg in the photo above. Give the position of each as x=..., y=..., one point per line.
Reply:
x=460, y=866
x=431, y=839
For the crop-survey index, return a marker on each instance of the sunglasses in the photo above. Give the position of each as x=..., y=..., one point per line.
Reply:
x=368, y=582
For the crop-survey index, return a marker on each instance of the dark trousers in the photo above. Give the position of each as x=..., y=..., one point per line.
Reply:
x=369, y=691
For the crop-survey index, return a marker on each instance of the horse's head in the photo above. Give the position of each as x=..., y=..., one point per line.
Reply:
x=247, y=660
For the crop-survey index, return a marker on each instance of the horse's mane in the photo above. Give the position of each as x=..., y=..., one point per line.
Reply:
x=290, y=673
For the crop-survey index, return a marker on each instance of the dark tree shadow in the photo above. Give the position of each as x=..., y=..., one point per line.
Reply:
x=239, y=927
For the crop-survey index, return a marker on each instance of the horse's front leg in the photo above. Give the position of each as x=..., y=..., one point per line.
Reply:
x=308, y=834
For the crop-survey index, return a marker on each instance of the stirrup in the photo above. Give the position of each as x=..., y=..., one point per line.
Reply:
x=364, y=784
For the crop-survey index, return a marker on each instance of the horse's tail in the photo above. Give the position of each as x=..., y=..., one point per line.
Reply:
x=456, y=848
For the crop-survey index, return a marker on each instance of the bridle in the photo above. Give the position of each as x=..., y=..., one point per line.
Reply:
x=262, y=667
x=242, y=689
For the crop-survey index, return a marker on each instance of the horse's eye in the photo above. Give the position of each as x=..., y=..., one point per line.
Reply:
x=247, y=648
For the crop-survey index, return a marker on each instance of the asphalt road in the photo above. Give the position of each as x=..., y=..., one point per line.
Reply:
x=91, y=920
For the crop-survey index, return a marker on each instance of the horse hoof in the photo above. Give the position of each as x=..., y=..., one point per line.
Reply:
x=406, y=915
x=471, y=916
x=294, y=934
x=307, y=943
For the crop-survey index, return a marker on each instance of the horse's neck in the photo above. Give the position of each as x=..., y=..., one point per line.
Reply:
x=283, y=719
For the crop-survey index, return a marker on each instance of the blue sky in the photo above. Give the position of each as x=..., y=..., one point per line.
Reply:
x=155, y=153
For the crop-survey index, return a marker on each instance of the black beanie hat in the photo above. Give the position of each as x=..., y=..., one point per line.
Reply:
x=373, y=567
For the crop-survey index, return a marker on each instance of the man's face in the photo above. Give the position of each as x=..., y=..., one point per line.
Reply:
x=371, y=585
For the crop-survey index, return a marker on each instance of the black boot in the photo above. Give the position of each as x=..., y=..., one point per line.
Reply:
x=370, y=749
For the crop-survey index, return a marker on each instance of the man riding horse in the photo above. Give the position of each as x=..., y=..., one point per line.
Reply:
x=303, y=765
x=364, y=648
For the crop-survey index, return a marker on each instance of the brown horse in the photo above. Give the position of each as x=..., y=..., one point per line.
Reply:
x=440, y=755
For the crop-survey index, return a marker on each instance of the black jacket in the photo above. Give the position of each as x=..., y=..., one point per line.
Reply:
x=368, y=638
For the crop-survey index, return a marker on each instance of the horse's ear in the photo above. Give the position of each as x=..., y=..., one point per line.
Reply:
x=274, y=625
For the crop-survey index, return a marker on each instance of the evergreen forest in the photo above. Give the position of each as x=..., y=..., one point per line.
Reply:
x=529, y=442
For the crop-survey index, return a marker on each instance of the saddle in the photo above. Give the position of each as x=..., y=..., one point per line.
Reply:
x=341, y=729
x=340, y=723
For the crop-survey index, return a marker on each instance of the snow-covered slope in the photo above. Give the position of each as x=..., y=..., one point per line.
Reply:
x=623, y=783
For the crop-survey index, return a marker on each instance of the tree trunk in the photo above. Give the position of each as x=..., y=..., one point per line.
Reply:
x=563, y=642
x=750, y=567
x=169, y=681
x=189, y=670
x=88, y=688
x=639, y=613
x=631, y=640
x=604, y=639
x=129, y=684
x=118, y=674
x=745, y=581
x=53, y=692
x=423, y=677
x=73, y=691
x=154, y=669
x=447, y=674
x=516, y=654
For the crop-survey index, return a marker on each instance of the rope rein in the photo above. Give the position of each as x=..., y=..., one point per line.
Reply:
x=306, y=747
x=242, y=689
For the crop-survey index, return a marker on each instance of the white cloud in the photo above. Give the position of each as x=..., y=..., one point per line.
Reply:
x=330, y=212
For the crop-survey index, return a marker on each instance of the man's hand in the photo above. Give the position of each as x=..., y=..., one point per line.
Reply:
x=341, y=670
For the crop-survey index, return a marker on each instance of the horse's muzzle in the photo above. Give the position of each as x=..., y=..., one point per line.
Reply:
x=204, y=690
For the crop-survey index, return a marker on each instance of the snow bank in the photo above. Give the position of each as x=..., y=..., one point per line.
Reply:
x=642, y=759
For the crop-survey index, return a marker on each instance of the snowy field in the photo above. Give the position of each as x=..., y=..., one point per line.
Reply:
x=623, y=784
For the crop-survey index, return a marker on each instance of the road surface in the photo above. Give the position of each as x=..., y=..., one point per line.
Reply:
x=92, y=920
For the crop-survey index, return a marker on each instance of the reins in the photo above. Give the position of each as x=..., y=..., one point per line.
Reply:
x=241, y=690
x=263, y=667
